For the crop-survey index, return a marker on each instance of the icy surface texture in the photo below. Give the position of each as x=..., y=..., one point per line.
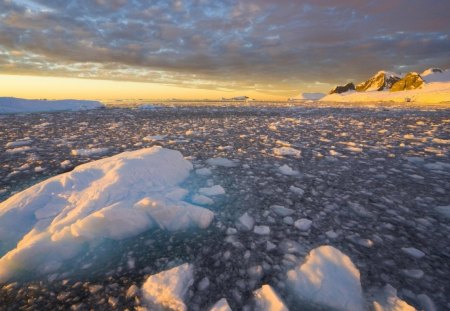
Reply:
x=114, y=198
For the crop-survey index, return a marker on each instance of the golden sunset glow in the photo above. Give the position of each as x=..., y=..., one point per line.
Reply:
x=33, y=87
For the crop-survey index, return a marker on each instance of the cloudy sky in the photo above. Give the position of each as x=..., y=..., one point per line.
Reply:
x=265, y=48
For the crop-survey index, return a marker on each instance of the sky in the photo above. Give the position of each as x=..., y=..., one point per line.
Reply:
x=265, y=49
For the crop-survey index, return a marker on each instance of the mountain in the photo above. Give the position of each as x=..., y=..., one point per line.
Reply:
x=411, y=81
x=343, y=88
x=382, y=80
x=432, y=86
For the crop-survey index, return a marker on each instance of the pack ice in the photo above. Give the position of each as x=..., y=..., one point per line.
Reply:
x=113, y=198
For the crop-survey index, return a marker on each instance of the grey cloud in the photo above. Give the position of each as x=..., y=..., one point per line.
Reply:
x=282, y=43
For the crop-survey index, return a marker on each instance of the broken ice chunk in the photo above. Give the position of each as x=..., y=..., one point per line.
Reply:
x=328, y=278
x=168, y=289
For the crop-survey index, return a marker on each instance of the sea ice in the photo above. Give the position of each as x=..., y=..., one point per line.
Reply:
x=388, y=301
x=287, y=151
x=221, y=305
x=413, y=252
x=261, y=230
x=287, y=170
x=212, y=191
x=245, y=222
x=267, y=300
x=116, y=197
x=221, y=162
x=303, y=224
x=328, y=278
x=89, y=152
x=168, y=289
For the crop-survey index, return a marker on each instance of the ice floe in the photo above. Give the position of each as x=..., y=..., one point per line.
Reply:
x=114, y=198
x=167, y=289
x=328, y=278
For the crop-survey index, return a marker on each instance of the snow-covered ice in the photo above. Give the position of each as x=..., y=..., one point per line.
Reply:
x=266, y=299
x=328, y=278
x=287, y=151
x=212, y=191
x=221, y=305
x=287, y=170
x=113, y=198
x=388, y=301
x=167, y=289
x=221, y=162
x=89, y=152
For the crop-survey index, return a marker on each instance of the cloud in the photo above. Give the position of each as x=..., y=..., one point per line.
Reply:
x=283, y=44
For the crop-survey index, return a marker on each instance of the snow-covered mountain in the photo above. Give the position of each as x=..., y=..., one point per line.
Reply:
x=431, y=86
x=382, y=80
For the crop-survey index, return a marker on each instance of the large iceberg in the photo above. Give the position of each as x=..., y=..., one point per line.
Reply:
x=20, y=105
x=112, y=198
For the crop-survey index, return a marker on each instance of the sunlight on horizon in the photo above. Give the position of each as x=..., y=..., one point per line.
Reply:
x=38, y=87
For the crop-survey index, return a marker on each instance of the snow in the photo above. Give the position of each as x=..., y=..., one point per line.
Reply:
x=19, y=105
x=212, y=191
x=221, y=162
x=113, y=198
x=266, y=299
x=221, y=305
x=287, y=151
x=388, y=301
x=287, y=170
x=430, y=76
x=89, y=152
x=328, y=278
x=168, y=289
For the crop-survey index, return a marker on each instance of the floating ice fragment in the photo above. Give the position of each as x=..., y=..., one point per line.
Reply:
x=413, y=252
x=221, y=162
x=203, y=171
x=261, y=230
x=328, y=278
x=201, y=199
x=89, y=152
x=303, y=224
x=287, y=151
x=388, y=301
x=287, y=170
x=221, y=305
x=281, y=210
x=168, y=289
x=212, y=191
x=245, y=222
x=267, y=300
